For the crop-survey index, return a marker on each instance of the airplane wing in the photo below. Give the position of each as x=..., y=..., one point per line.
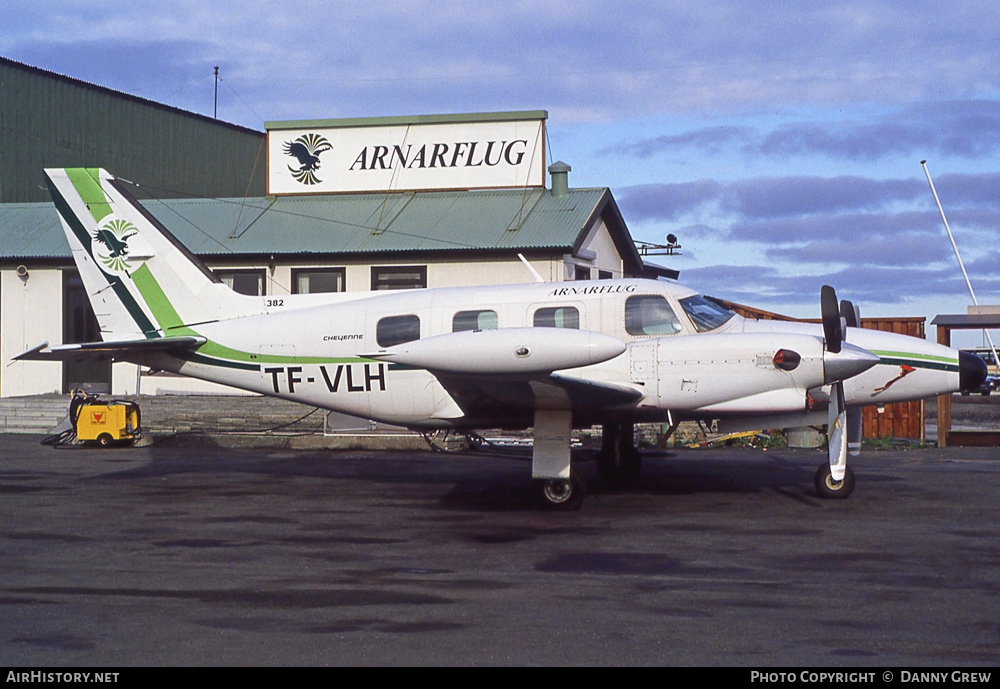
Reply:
x=499, y=397
x=121, y=349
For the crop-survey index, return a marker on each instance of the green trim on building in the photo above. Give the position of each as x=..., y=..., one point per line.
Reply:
x=408, y=119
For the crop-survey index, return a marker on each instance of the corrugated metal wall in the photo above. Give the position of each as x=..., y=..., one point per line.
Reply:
x=47, y=120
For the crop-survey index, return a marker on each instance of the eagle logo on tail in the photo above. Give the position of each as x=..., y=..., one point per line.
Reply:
x=110, y=245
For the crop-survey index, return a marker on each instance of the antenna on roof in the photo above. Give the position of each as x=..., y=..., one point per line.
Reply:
x=216, y=110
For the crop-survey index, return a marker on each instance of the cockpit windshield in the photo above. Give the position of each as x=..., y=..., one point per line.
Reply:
x=705, y=313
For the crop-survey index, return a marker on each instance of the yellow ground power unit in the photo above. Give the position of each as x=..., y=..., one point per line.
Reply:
x=113, y=421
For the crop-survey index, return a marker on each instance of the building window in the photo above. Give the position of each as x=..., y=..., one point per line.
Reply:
x=243, y=281
x=474, y=320
x=604, y=275
x=650, y=315
x=394, y=330
x=581, y=273
x=315, y=280
x=557, y=317
x=399, y=277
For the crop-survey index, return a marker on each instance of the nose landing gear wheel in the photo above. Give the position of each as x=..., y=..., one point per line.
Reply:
x=830, y=489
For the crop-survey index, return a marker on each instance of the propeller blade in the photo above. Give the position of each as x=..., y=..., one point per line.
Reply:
x=836, y=432
x=850, y=313
x=832, y=329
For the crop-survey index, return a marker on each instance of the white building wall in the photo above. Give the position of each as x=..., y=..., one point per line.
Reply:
x=599, y=241
x=31, y=313
x=440, y=273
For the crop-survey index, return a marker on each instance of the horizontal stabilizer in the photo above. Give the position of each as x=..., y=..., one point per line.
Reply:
x=122, y=349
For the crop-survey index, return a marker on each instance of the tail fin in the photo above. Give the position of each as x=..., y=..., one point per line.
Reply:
x=142, y=283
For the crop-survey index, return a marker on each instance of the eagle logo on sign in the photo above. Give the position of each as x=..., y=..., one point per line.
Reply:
x=110, y=245
x=307, y=149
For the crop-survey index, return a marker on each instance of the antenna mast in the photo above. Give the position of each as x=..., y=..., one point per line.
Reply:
x=993, y=349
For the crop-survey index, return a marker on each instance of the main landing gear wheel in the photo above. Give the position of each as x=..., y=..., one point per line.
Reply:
x=563, y=495
x=830, y=489
x=619, y=460
x=619, y=464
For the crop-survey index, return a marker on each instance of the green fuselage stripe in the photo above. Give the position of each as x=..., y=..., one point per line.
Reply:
x=213, y=353
x=927, y=361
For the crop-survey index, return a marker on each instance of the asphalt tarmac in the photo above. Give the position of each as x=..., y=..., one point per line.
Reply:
x=193, y=555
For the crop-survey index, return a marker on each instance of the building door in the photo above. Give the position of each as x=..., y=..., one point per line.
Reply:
x=80, y=325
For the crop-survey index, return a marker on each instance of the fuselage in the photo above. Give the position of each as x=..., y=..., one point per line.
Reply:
x=685, y=356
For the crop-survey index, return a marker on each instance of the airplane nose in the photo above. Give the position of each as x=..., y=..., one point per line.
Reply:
x=848, y=362
x=971, y=371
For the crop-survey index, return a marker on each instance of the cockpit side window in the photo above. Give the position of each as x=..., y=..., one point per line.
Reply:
x=650, y=315
x=705, y=313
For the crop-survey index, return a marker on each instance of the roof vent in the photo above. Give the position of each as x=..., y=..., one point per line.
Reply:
x=559, y=172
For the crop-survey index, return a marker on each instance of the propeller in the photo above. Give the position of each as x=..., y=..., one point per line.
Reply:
x=843, y=425
x=833, y=329
x=850, y=314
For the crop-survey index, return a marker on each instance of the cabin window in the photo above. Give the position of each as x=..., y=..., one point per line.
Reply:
x=398, y=277
x=316, y=280
x=557, y=317
x=650, y=315
x=243, y=281
x=705, y=313
x=394, y=330
x=474, y=320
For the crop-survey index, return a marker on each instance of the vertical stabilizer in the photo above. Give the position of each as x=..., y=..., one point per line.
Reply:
x=142, y=283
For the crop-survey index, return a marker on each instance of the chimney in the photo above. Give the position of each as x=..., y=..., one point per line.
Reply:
x=559, y=172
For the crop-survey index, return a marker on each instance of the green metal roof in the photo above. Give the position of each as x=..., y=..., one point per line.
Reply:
x=520, y=219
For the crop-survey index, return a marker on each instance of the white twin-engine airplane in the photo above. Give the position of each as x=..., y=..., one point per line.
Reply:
x=552, y=356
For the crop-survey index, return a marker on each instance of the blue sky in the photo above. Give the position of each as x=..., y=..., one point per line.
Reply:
x=780, y=141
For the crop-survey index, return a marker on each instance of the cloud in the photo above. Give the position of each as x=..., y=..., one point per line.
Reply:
x=969, y=129
x=776, y=197
x=969, y=189
x=709, y=140
x=579, y=59
x=765, y=286
x=792, y=209
x=667, y=201
x=912, y=249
